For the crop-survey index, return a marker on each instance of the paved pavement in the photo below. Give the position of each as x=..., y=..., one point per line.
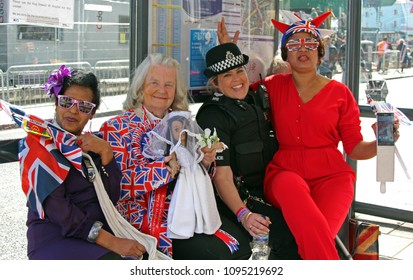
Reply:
x=395, y=241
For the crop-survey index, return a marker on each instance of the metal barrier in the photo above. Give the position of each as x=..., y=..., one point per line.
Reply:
x=113, y=76
x=20, y=85
x=23, y=82
x=390, y=60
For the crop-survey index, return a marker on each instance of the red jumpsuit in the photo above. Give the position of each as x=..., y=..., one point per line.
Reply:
x=308, y=178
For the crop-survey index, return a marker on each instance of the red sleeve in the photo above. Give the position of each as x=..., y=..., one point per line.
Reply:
x=349, y=123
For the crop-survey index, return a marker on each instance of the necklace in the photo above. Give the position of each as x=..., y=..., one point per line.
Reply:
x=301, y=91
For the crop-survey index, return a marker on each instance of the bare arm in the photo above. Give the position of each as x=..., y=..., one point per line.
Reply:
x=226, y=188
x=223, y=36
x=223, y=180
x=364, y=150
x=367, y=150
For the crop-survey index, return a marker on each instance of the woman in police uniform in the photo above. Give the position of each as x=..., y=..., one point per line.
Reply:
x=242, y=122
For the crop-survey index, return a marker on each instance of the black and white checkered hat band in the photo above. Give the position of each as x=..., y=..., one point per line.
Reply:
x=227, y=63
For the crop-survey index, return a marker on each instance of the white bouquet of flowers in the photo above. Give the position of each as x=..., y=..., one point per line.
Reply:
x=211, y=140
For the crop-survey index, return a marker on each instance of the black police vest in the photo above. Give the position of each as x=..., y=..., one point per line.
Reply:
x=253, y=141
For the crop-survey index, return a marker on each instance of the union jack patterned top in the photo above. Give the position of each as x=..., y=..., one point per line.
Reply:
x=145, y=198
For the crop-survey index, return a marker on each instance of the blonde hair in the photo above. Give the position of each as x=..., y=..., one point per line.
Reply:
x=134, y=98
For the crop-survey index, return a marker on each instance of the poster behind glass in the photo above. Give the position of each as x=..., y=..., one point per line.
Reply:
x=186, y=30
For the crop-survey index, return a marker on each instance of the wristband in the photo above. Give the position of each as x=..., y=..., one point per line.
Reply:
x=241, y=213
x=239, y=210
x=94, y=232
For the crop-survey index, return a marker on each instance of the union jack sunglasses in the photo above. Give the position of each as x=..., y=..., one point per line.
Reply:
x=67, y=102
x=294, y=45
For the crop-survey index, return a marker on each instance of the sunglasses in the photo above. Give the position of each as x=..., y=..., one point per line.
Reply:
x=294, y=45
x=67, y=102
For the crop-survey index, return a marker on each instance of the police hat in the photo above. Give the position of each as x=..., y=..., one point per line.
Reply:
x=223, y=58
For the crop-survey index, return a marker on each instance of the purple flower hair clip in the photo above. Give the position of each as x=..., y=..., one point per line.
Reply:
x=55, y=82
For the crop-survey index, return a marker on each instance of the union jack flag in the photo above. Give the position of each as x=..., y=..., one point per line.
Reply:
x=45, y=156
x=41, y=173
x=304, y=26
x=228, y=239
x=164, y=242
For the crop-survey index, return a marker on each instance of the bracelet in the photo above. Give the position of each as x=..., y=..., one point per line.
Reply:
x=239, y=211
x=248, y=215
x=242, y=211
x=94, y=231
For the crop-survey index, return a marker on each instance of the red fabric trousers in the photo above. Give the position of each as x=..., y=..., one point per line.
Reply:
x=313, y=209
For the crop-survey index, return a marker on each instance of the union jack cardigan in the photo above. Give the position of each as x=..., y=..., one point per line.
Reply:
x=145, y=198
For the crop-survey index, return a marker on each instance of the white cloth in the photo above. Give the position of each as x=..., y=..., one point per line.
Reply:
x=119, y=226
x=193, y=207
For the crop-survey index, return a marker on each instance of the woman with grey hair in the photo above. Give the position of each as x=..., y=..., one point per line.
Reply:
x=278, y=66
x=147, y=184
x=135, y=97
